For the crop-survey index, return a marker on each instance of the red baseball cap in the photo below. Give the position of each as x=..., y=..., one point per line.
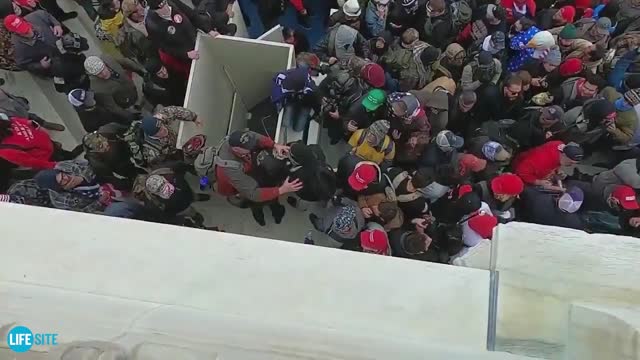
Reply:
x=626, y=196
x=483, y=224
x=375, y=241
x=362, y=176
x=507, y=184
x=16, y=24
x=373, y=74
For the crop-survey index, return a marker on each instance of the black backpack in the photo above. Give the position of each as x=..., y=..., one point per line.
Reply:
x=323, y=185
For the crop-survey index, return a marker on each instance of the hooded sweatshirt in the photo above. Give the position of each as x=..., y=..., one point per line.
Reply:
x=341, y=222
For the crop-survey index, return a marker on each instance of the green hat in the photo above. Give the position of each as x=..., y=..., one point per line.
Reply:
x=569, y=32
x=375, y=98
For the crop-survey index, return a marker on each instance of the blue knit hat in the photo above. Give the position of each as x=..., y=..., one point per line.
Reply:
x=46, y=179
x=151, y=125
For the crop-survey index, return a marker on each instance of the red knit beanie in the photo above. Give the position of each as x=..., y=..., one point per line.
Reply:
x=571, y=67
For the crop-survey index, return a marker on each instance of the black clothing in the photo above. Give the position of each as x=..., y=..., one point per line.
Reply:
x=527, y=132
x=68, y=73
x=177, y=36
x=114, y=166
x=542, y=208
x=167, y=92
x=495, y=106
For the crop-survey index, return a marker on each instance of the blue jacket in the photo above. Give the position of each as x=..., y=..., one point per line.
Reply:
x=375, y=24
x=280, y=96
x=616, y=77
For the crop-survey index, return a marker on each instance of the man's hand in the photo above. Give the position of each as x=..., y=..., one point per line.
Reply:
x=193, y=54
x=290, y=186
x=213, y=33
x=535, y=82
x=396, y=134
x=334, y=114
x=367, y=212
x=198, y=121
x=421, y=224
x=548, y=185
x=376, y=210
x=352, y=126
x=45, y=62
x=611, y=127
x=332, y=60
x=548, y=135
x=634, y=222
x=57, y=31
x=561, y=174
x=281, y=150
x=395, y=26
x=304, y=12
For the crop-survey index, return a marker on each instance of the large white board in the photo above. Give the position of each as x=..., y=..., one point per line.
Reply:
x=256, y=279
x=209, y=94
x=543, y=270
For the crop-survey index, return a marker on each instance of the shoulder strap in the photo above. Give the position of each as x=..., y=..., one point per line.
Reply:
x=332, y=43
x=363, y=136
x=387, y=145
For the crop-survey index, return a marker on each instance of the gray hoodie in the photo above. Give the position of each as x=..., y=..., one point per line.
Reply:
x=625, y=173
x=342, y=221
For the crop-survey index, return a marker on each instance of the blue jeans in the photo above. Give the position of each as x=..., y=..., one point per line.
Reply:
x=296, y=116
x=391, y=84
x=123, y=209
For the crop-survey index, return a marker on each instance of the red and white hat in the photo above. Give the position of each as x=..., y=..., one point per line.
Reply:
x=17, y=25
x=375, y=241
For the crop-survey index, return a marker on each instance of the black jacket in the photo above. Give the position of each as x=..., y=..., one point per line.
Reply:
x=114, y=166
x=94, y=118
x=438, y=30
x=167, y=92
x=68, y=72
x=397, y=240
x=399, y=16
x=527, y=131
x=179, y=201
x=177, y=36
x=346, y=165
x=542, y=208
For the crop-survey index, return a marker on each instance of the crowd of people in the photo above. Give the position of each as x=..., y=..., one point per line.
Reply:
x=458, y=116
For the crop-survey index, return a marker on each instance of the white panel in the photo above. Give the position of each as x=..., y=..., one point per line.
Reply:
x=209, y=94
x=603, y=332
x=245, y=277
x=543, y=269
x=274, y=34
x=252, y=64
x=238, y=114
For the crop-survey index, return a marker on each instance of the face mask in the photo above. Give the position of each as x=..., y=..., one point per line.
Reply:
x=622, y=105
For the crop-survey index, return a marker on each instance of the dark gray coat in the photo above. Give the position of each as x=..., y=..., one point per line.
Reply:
x=29, y=52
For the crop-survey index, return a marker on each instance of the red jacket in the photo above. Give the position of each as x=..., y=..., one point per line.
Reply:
x=32, y=146
x=538, y=163
x=509, y=7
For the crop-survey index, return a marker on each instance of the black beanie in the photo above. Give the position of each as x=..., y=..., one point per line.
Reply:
x=429, y=55
x=598, y=110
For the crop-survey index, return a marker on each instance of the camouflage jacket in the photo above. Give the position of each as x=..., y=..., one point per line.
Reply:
x=71, y=200
x=7, y=59
x=27, y=192
x=158, y=150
